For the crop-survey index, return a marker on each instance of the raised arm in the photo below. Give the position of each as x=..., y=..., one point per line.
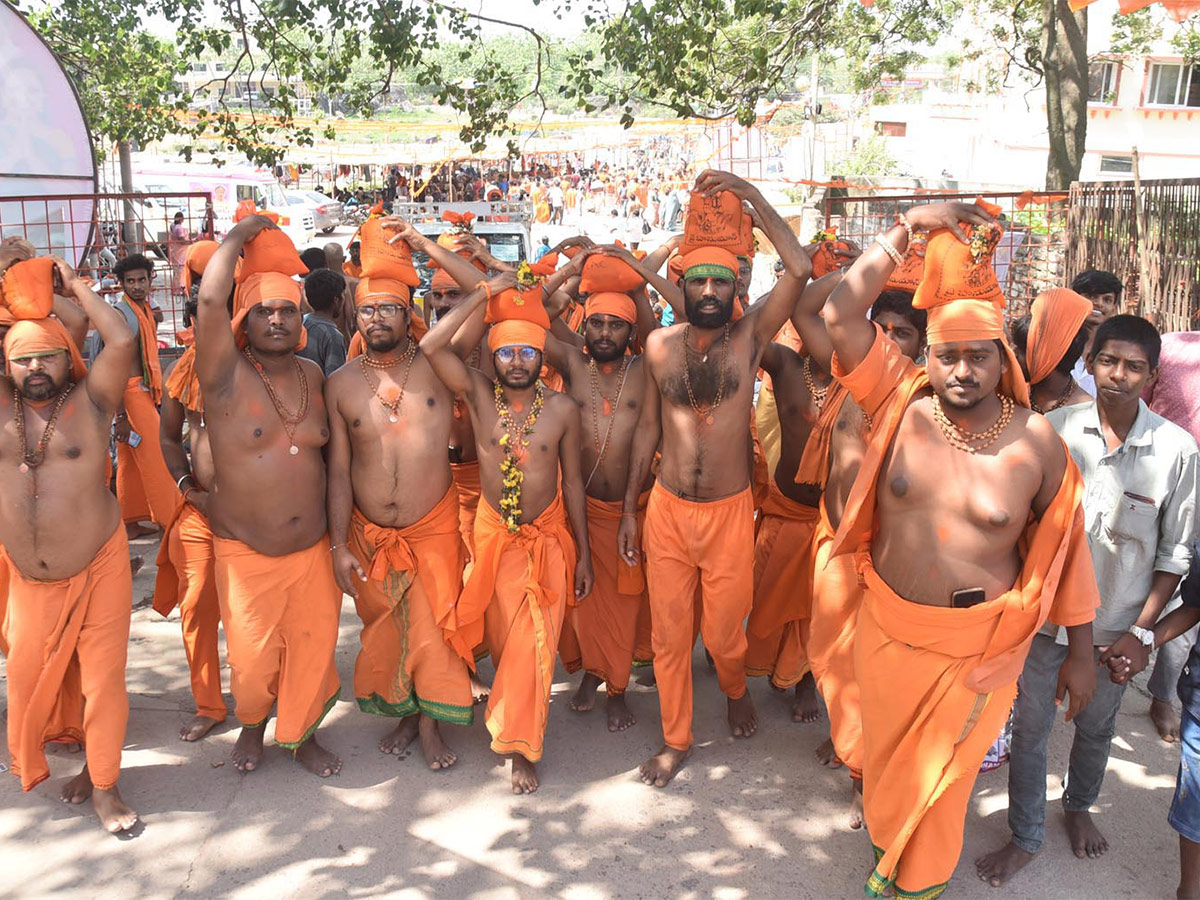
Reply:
x=73, y=317
x=458, y=268
x=216, y=352
x=573, y=498
x=670, y=291
x=846, y=310
x=645, y=443
x=110, y=370
x=436, y=345
x=658, y=257
x=806, y=318
x=646, y=322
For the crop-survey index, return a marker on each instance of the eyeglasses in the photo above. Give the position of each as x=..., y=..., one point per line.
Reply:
x=385, y=310
x=508, y=354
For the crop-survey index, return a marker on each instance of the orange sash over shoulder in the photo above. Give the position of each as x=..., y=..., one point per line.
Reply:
x=464, y=631
x=148, y=338
x=182, y=383
x=814, y=462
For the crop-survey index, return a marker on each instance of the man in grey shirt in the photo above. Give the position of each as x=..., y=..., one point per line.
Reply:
x=326, y=344
x=1140, y=483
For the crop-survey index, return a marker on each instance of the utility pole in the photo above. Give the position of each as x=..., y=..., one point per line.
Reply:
x=124, y=153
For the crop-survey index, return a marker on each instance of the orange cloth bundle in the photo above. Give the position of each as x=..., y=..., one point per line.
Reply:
x=27, y=288
x=907, y=276
x=954, y=270
x=39, y=337
x=544, y=267
x=518, y=304
x=271, y=251
x=608, y=273
x=198, y=256
x=824, y=259
x=1055, y=319
x=249, y=208
x=611, y=303
x=716, y=221
x=382, y=259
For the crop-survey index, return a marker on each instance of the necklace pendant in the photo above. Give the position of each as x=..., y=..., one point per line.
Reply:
x=294, y=450
x=607, y=407
x=23, y=468
x=704, y=358
x=393, y=418
x=708, y=420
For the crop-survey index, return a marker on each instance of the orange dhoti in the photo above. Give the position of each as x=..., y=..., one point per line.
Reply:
x=603, y=628
x=187, y=579
x=833, y=621
x=66, y=664
x=281, y=628
x=777, y=630
x=145, y=488
x=518, y=592
x=711, y=546
x=414, y=577
x=466, y=483
x=3, y=603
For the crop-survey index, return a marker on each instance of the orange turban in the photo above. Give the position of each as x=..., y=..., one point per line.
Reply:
x=27, y=288
x=1056, y=317
x=516, y=333
x=610, y=303
x=977, y=320
x=41, y=337
x=443, y=281
x=198, y=256
x=706, y=262
x=381, y=287
x=260, y=287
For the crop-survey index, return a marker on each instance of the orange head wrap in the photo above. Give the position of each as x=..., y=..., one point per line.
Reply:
x=978, y=320
x=516, y=333
x=260, y=287
x=27, y=288
x=198, y=256
x=1055, y=319
x=381, y=287
x=41, y=337
x=443, y=281
x=706, y=262
x=611, y=303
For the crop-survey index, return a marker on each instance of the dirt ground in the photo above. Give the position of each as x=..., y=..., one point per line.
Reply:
x=745, y=819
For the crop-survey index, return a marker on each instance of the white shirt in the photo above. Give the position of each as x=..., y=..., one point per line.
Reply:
x=1139, y=508
x=1083, y=377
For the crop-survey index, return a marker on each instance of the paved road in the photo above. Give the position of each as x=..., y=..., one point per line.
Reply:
x=745, y=819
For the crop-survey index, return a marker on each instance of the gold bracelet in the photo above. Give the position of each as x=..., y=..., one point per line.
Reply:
x=889, y=248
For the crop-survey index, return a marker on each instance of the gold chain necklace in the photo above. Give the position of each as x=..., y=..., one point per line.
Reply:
x=514, y=443
x=818, y=394
x=407, y=358
x=289, y=421
x=1057, y=403
x=609, y=406
x=705, y=416
x=970, y=441
x=31, y=459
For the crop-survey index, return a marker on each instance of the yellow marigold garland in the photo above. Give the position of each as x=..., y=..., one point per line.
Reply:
x=513, y=442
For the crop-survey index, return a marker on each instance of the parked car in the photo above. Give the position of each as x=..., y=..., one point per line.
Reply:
x=326, y=212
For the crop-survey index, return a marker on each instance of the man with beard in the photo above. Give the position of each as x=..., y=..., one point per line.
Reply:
x=68, y=599
x=607, y=385
x=525, y=567
x=699, y=390
x=965, y=521
x=393, y=519
x=267, y=427
x=144, y=486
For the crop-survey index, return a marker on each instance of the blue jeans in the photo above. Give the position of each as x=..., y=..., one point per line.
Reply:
x=1185, y=807
x=1033, y=719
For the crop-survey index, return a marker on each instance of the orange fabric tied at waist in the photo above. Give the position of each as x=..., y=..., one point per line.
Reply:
x=392, y=548
x=784, y=584
x=606, y=516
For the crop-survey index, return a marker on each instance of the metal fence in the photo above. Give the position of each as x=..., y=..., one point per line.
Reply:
x=1030, y=258
x=93, y=231
x=1103, y=234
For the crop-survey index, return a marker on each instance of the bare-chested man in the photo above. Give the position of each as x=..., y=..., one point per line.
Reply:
x=606, y=384
x=69, y=586
x=394, y=521
x=267, y=427
x=527, y=568
x=699, y=520
x=958, y=477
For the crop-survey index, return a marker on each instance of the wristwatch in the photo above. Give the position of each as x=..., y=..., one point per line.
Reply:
x=1145, y=635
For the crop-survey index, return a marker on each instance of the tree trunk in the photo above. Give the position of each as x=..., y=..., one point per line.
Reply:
x=1065, y=63
x=130, y=231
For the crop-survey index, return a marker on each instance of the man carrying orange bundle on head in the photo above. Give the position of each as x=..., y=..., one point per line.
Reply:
x=267, y=428
x=607, y=385
x=393, y=508
x=64, y=548
x=186, y=574
x=527, y=568
x=966, y=525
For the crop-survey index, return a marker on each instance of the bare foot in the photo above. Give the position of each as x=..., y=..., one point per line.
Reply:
x=197, y=728
x=659, y=769
x=524, y=775
x=620, y=716
x=999, y=866
x=479, y=690
x=743, y=720
x=584, y=699
x=1086, y=839
x=248, y=751
x=855, y=818
x=827, y=756
x=647, y=679
x=398, y=739
x=78, y=789
x=1165, y=719
x=317, y=759
x=805, y=708
x=437, y=754
x=134, y=530
x=114, y=815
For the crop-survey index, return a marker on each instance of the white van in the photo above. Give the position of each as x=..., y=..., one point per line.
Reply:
x=228, y=185
x=503, y=225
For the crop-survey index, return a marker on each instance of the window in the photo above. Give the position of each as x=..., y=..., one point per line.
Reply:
x=1102, y=82
x=891, y=129
x=1116, y=165
x=1173, y=84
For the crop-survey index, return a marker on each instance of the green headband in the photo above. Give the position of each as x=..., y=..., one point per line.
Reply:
x=710, y=270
